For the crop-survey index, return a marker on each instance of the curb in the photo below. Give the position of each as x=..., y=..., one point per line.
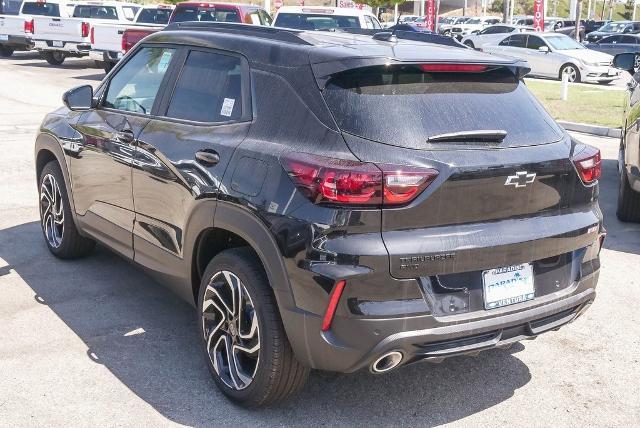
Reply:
x=585, y=128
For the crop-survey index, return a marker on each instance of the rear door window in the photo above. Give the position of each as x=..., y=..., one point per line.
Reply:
x=209, y=89
x=135, y=86
x=404, y=106
x=535, y=42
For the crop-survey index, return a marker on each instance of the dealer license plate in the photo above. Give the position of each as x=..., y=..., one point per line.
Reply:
x=4, y=37
x=57, y=44
x=508, y=285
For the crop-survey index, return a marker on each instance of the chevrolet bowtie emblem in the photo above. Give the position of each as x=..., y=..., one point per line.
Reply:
x=520, y=179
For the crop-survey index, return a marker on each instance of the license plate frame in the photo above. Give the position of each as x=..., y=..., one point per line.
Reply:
x=508, y=285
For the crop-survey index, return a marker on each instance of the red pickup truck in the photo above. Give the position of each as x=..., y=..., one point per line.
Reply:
x=192, y=11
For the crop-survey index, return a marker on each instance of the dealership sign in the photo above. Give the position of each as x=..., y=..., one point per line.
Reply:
x=430, y=15
x=538, y=15
x=353, y=5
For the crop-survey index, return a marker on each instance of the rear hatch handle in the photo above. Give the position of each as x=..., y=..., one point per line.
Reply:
x=488, y=136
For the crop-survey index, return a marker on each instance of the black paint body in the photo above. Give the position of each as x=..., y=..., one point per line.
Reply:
x=152, y=202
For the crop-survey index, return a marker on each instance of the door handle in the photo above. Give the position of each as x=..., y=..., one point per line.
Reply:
x=207, y=157
x=125, y=136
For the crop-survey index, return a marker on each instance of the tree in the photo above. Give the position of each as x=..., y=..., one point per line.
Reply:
x=380, y=3
x=628, y=10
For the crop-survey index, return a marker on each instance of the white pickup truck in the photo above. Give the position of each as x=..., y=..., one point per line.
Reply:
x=106, y=39
x=59, y=38
x=16, y=23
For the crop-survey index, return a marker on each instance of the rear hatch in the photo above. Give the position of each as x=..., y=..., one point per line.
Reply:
x=506, y=191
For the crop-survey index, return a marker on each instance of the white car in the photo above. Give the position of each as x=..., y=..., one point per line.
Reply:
x=106, y=38
x=552, y=55
x=58, y=38
x=324, y=18
x=445, y=28
x=491, y=35
x=473, y=24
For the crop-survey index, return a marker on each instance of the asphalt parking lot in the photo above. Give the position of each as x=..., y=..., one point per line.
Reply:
x=96, y=342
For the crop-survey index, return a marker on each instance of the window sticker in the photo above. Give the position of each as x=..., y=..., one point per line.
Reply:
x=165, y=59
x=227, y=107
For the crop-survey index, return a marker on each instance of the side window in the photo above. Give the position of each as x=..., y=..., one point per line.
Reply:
x=518, y=41
x=209, y=89
x=535, y=42
x=611, y=39
x=376, y=24
x=506, y=42
x=135, y=86
x=265, y=17
x=368, y=22
x=628, y=39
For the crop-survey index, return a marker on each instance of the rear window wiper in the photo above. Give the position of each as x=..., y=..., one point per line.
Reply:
x=484, y=136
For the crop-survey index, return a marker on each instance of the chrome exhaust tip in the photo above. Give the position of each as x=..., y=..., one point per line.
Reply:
x=386, y=362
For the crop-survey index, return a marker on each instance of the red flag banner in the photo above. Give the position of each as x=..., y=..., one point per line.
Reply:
x=538, y=15
x=430, y=14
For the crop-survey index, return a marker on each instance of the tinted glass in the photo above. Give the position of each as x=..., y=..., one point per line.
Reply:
x=154, y=16
x=535, y=42
x=135, y=86
x=41, y=9
x=95, y=12
x=266, y=18
x=302, y=21
x=10, y=7
x=518, y=40
x=628, y=39
x=205, y=14
x=404, y=106
x=611, y=39
x=208, y=89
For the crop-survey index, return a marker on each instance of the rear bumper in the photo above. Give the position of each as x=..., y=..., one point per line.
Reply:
x=75, y=48
x=447, y=336
x=105, y=56
x=17, y=42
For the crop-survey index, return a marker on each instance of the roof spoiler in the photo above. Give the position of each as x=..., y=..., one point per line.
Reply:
x=415, y=36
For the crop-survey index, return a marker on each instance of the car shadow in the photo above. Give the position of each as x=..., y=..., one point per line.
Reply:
x=69, y=63
x=97, y=77
x=621, y=236
x=147, y=338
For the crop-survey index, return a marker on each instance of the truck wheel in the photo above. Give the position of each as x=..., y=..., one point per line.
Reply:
x=54, y=57
x=6, y=51
x=628, y=200
x=244, y=342
x=470, y=44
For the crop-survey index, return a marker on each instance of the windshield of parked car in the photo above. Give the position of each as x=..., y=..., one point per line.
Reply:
x=404, y=106
x=308, y=21
x=205, y=14
x=41, y=9
x=563, y=43
x=95, y=12
x=614, y=27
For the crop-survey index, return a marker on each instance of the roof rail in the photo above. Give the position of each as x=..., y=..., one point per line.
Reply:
x=406, y=35
x=272, y=33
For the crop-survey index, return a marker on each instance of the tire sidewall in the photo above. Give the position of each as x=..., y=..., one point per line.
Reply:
x=251, y=395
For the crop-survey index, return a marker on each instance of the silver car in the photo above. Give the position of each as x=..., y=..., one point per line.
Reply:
x=552, y=55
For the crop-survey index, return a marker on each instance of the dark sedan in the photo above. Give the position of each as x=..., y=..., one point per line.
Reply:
x=616, y=27
x=619, y=43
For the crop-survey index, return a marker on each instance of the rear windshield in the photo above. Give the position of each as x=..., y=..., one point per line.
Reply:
x=307, y=21
x=219, y=14
x=40, y=9
x=10, y=7
x=95, y=12
x=154, y=16
x=404, y=106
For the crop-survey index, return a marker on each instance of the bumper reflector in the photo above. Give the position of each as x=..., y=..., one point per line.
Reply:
x=334, y=298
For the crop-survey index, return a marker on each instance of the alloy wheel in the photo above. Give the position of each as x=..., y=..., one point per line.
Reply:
x=231, y=331
x=51, y=210
x=571, y=72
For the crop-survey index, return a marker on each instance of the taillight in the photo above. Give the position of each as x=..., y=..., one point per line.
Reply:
x=85, y=29
x=126, y=43
x=28, y=26
x=588, y=164
x=92, y=38
x=346, y=182
x=453, y=68
x=334, y=298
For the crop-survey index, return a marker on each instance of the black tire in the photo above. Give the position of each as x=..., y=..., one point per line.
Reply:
x=566, y=68
x=628, y=200
x=54, y=57
x=108, y=66
x=66, y=242
x=6, y=51
x=470, y=44
x=446, y=33
x=276, y=374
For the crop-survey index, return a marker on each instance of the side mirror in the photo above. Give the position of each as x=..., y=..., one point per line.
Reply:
x=625, y=61
x=79, y=98
x=544, y=49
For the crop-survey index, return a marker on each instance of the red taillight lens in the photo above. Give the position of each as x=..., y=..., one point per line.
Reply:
x=85, y=29
x=92, y=37
x=588, y=164
x=453, y=68
x=126, y=43
x=334, y=298
x=28, y=26
x=346, y=182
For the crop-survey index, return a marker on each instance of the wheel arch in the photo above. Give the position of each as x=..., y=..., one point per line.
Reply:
x=573, y=64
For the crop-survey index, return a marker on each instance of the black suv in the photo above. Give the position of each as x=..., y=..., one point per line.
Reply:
x=327, y=200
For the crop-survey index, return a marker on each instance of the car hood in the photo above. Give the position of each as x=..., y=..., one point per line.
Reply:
x=587, y=55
